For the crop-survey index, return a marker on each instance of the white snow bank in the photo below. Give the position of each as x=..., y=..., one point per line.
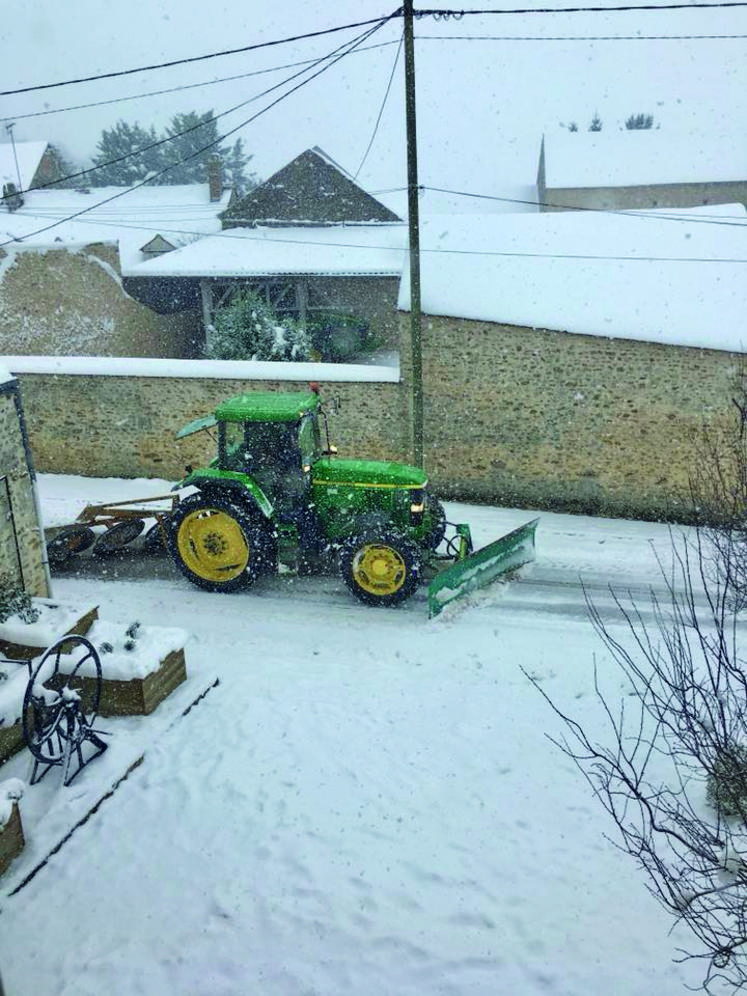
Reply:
x=14, y=677
x=673, y=277
x=121, y=366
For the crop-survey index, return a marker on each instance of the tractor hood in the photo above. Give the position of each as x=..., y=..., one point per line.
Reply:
x=367, y=474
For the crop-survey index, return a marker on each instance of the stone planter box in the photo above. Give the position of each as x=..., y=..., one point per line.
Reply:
x=11, y=839
x=23, y=641
x=134, y=696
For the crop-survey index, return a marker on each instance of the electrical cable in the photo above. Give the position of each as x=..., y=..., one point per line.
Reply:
x=383, y=105
x=195, y=58
x=178, y=89
x=179, y=134
x=458, y=14
x=403, y=249
x=351, y=46
x=579, y=38
x=630, y=213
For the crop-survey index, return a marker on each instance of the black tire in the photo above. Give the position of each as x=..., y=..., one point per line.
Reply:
x=156, y=539
x=117, y=536
x=225, y=554
x=72, y=539
x=380, y=568
x=436, y=523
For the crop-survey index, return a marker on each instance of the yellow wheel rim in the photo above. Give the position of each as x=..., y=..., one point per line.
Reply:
x=379, y=570
x=212, y=545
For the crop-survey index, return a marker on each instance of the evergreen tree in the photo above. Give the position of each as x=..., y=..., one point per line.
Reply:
x=596, y=123
x=248, y=329
x=130, y=142
x=235, y=167
x=639, y=122
x=183, y=149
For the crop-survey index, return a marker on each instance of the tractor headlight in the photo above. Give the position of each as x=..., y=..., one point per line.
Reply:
x=417, y=502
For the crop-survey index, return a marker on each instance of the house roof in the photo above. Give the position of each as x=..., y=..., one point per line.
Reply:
x=179, y=213
x=342, y=250
x=311, y=189
x=674, y=277
x=28, y=155
x=640, y=158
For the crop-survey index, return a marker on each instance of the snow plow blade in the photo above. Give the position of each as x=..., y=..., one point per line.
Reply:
x=471, y=571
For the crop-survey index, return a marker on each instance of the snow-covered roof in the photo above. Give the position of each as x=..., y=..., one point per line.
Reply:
x=340, y=250
x=180, y=213
x=29, y=156
x=672, y=277
x=637, y=158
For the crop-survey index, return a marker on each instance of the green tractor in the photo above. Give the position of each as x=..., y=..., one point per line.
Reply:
x=277, y=496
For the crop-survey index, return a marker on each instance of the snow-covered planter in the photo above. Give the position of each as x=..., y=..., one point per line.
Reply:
x=13, y=680
x=140, y=666
x=11, y=829
x=21, y=640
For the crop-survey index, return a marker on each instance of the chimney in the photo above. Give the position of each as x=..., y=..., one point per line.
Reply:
x=215, y=178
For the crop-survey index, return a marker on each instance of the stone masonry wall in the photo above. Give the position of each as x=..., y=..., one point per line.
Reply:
x=61, y=302
x=103, y=426
x=569, y=422
x=22, y=540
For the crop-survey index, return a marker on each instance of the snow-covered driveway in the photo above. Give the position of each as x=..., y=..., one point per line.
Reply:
x=365, y=805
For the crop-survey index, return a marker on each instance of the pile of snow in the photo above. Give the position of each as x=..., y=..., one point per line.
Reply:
x=11, y=790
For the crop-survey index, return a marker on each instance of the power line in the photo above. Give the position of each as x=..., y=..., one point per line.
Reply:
x=178, y=89
x=432, y=251
x=631, y=213
x=381, y=109
x=578, y=38
x=351, y=46
x=179, y=134
x=445, y=14
x=194, y=58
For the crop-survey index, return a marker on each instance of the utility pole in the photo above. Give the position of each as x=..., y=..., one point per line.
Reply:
x=416, y=324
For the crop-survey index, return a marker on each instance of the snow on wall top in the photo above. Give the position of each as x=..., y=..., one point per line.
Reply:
x=29, y=156
x=673, y=277
x=640, y=158
x=5, y=374
x=118, y=366
x=340, y=250
x=181, y=213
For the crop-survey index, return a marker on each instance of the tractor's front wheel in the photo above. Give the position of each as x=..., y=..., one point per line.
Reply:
x=381, y=568
x=216, y=543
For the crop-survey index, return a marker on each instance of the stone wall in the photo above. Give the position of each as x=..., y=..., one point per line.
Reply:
x=654, y=195
x=513, y=416
x=21, y=549
x=102, y=426
x=65, y=302
x=552, y=420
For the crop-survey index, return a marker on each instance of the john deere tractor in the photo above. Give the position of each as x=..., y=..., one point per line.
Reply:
x=277, y=494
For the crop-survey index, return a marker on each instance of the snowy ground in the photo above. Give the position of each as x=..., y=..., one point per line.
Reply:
x=367, y=803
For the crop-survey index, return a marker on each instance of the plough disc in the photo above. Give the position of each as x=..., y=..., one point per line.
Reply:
x=479, y=569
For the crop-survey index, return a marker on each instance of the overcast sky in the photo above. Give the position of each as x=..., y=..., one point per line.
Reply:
x=482, y=104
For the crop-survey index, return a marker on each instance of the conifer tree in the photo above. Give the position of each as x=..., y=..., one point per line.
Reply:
x=248, y=329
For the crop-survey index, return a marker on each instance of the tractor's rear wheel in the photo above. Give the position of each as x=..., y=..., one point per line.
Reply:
x=381, y=568
x=216, y=543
